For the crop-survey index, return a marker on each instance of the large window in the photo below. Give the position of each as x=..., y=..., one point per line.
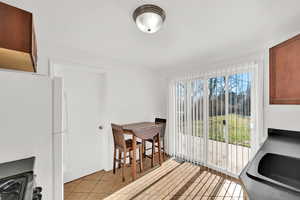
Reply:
x=212, y=119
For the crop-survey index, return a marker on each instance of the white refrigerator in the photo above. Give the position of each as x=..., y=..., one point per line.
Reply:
x=30, y=126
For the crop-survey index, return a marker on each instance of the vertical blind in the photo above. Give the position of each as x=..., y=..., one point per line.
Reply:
x=213, y=117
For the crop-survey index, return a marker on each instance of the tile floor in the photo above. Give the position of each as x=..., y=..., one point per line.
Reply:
x=102, y=184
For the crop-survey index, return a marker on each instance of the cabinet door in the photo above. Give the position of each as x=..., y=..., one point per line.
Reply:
x=285, y=72
x=17, y=39
x=16, y=28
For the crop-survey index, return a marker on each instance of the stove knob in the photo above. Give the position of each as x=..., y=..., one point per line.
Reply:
x=37, y=197
x=37, y=190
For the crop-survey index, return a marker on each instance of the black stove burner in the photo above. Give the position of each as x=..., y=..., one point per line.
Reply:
x=37, y=193
x=17, y=181
x=12, y=189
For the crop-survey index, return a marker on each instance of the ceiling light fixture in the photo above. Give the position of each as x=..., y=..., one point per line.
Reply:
x=149, y=18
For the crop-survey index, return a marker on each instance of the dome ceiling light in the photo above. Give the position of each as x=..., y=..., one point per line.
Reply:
x=149, y=18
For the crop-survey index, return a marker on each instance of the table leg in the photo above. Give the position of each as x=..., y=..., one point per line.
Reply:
x=133, y=164
x=144, y=148
x=159, y=149
x=120, y=158
x=153, y=152
x=141, y=157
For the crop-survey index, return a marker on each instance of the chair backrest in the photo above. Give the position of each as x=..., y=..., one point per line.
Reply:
x=118, y=134
x=164, y=122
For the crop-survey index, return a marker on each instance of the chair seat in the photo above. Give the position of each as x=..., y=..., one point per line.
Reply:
x=129, y=144
x=150, y=140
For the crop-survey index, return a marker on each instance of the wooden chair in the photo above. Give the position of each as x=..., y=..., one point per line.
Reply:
x=154, y=141
x=124, y=146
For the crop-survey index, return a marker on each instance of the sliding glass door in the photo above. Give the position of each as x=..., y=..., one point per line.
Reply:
x=212, y=123
x=189, y=135
x=217, y=137
x=198, y=143
x=239, y=121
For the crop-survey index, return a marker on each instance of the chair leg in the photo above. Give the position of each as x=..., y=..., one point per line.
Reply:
x=115, y=157
x=141, y=158
x=159, y=149
x=130, y=157
x=120, y=158
x=163, y=148
x=144, y=147
x=123, y=167
x=153, y=153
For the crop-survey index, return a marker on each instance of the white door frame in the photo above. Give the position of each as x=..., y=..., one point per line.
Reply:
x=75, y=66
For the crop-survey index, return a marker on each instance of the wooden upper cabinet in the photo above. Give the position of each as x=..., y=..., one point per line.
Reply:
x=285, y=72
x=17, y=39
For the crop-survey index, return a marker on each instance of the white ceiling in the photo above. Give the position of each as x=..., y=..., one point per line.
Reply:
x=194, y=30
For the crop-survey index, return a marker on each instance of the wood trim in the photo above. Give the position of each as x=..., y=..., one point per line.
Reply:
x=272, y=82
x=275, y=97
x=33, y=46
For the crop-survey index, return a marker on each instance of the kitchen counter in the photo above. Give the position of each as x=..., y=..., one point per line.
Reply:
x=279, y=142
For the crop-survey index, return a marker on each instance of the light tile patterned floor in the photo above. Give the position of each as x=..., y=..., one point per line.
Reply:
x=172, y=180
x=101, y=184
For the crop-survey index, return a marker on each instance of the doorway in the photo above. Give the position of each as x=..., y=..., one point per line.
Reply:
x=229, y=121
x=82, y=110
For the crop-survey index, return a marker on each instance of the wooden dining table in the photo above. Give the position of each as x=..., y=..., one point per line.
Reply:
x=144, y=131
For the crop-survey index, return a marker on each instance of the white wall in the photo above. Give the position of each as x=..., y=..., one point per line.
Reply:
x=134, y=95
x=26, y=123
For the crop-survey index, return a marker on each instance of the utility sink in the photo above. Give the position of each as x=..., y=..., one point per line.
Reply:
x=274, y=171
x=277, y=169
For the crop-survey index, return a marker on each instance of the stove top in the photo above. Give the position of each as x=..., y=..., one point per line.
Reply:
x=17, y=181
